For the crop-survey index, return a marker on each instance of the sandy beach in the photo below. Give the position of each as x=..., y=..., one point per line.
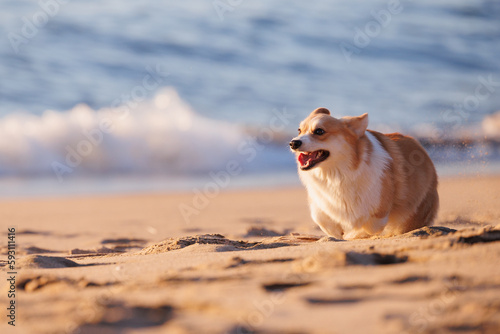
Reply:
x=248, y=261
x=152, y=152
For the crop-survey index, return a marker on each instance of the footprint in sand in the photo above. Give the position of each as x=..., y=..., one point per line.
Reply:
x=39, y=261
x=325, y=260
x=116, y=317
x=35, y=283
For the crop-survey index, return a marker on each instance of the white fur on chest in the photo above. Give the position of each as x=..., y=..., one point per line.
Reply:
x=347, y=197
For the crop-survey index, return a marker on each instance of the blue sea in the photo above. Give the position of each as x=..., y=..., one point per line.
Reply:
x=127, y=96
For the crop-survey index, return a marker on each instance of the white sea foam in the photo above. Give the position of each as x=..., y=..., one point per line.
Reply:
x=159, y=135
x=491, y=125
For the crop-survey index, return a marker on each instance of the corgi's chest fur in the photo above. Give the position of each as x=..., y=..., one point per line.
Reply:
x=348, y=197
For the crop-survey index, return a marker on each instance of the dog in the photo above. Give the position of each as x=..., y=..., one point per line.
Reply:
x=362, y=183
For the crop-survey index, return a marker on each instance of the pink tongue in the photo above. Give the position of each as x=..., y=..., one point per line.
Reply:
x=304, y=158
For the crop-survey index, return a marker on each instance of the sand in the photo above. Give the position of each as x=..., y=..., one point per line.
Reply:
x=249, y=262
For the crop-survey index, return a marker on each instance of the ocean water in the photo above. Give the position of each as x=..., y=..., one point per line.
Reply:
x=127, y=95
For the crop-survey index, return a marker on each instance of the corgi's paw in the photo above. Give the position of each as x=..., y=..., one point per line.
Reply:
x=356, y=234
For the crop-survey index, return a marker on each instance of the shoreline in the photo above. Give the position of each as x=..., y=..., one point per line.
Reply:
x=44, y=187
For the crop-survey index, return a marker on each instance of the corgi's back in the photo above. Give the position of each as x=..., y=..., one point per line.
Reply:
x=416, y=201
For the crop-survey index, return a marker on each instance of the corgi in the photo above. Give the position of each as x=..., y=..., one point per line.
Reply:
x=362, y=183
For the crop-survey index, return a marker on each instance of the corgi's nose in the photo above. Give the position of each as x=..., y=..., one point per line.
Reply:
x=295, y=144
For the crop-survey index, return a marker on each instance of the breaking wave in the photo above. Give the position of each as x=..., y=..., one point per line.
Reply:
x=161, y=135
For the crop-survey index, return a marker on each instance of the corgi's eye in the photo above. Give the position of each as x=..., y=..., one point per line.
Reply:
x=319, y=132
x=299, y=131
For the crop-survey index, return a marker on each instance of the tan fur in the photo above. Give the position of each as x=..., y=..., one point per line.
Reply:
x=402, y=175
x=414, y=181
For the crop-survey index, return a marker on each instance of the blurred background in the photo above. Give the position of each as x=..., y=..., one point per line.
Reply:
x=121, y=96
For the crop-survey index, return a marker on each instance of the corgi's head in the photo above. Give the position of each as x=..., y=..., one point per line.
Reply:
x=327, y=142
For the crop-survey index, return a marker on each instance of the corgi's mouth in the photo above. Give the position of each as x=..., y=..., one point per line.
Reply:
x=308, y=160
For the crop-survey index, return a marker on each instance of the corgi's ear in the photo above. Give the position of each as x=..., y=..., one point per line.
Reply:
x=357, y=124
x=321, y=111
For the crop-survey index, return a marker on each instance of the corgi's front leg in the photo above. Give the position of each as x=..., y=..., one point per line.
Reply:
x=327, y=224
x=373, y=226
x=356, y=234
